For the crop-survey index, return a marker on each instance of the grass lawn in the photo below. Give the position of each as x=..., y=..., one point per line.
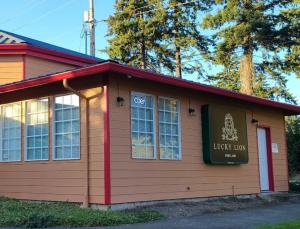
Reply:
x=15, y=213
x=286, y=225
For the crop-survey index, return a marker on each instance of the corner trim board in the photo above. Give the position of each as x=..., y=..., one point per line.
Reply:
x=107, y=177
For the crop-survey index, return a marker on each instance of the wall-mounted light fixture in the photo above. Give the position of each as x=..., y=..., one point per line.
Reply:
x=120, y=101
x=191, y=111
x=254, y=121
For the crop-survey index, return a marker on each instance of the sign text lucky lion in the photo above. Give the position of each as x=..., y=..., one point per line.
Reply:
x=224, y=132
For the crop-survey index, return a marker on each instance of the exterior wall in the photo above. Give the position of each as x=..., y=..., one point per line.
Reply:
x=37, y=67
x=144, y=180
x=11, y=68
x=62, y=180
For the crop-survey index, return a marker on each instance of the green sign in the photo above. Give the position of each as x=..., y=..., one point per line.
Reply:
x=224, y=133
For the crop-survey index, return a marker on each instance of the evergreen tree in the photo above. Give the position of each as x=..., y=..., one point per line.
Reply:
x=158, y=34
x=293, y=143
x=133, y=32
x=183, y=35
x=248, y=28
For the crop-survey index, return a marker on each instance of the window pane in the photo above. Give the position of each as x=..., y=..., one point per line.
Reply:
x=169, y=136
x=37, y=129
x=67, y=127
x=10, y=132
x=142, y=122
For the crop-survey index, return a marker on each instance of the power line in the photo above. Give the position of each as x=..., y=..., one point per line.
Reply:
x=45, y=15
x=23, y=10
x=167, y=7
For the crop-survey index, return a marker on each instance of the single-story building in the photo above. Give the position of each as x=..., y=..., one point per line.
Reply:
x=81, y=129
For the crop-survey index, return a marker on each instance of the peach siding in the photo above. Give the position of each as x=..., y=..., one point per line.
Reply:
x=11, y=68
x=61, y=180
x=143, y=180
x=37, y=67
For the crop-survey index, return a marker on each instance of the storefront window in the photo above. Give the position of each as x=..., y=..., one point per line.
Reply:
x=36, y=130
x=66, y=128
x=142, y=126
x=169, y=129
x=10, y=132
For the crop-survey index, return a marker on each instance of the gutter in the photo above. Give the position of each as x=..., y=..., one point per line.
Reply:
x=86, y=194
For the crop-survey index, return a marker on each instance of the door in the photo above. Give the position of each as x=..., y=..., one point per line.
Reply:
x=265, y=160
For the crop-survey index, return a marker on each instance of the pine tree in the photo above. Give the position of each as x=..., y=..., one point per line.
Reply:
x=251, y=28
x=293, y=140
x=161, y=35
x=183, y=34
x=133, y=34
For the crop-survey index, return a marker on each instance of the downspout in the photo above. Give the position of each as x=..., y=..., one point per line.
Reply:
x=66, y=85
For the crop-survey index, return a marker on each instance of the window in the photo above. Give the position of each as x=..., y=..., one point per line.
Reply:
x=169, y=132
x=10, y=133
x=66, y=128
x=142, y=126
x=36, y=131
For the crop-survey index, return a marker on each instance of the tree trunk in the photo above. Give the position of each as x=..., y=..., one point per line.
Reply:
x=177, y=47
x=246, y=73
x=143, y=57
x=178, y=63
x=246, y=63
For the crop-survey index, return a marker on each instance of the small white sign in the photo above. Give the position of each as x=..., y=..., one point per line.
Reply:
x=275, y=148
x=139, y=100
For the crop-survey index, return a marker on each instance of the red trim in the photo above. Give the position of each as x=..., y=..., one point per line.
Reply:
x=53, y=78
x=269, y=156
x=270, y=160
x=258, y=166
x=201, y=87
x=107, y=183
x=45, y=53
x=24, y=66
x=118, y=68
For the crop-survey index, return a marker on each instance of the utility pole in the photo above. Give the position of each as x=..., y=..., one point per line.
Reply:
x=92, y=28
x=89, y=20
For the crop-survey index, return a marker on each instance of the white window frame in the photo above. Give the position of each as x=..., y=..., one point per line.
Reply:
x=25, y=131
x=1, y=133
x=153, y=125
x=53, y=129
x=179, y=129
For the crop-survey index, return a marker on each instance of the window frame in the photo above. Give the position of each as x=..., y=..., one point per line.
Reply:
x=154, y=135
x=53, y=129
x=1, y=133
x=179, y=128
x=25, y=131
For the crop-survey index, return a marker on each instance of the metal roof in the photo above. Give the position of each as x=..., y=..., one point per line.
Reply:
x=12, y=38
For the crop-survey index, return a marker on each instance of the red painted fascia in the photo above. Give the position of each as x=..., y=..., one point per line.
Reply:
x=107, y=177
x=201, y=87
x=45, y=53
x=54, y=78
x=118, y=68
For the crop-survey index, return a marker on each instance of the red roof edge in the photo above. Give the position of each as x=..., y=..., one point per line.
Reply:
x=45, y=53
x=138, y=73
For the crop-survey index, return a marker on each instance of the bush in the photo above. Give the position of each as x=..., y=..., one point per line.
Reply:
x=16, y=213
x=295, y=186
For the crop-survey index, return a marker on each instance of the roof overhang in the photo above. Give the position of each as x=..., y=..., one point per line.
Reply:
x=112, y=67
x=30, y=50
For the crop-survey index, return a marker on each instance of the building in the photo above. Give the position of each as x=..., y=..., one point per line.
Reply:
x=81, y=129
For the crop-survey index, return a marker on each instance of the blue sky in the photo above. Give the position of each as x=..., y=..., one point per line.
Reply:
x=59, y=22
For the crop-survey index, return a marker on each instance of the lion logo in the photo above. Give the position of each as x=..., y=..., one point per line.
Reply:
x=229, y=133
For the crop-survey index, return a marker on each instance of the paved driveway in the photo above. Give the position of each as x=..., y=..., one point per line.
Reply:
x=241, y=219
